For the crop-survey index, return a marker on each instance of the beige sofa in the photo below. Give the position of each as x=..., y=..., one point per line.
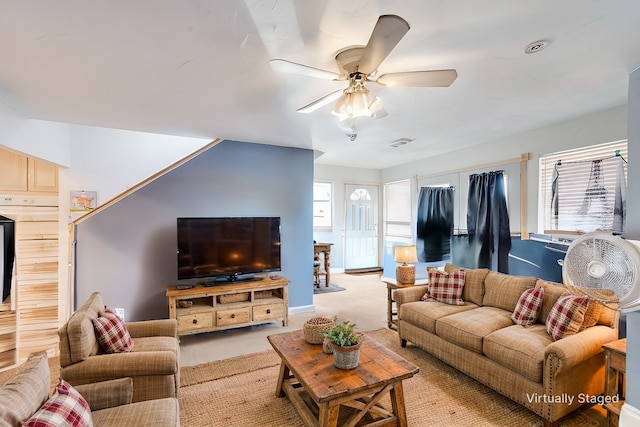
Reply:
x=110, y=401
x=153, y=365
x=479, y=338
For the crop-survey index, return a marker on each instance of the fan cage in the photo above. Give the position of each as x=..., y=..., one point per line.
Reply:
x=603, y=267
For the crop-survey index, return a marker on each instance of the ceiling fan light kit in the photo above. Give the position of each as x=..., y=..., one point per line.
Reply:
x=354, y=102
x=358, y=64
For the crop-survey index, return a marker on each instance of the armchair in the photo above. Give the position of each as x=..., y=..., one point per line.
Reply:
x=24, y=395
x=153, y=365
x=110, y=403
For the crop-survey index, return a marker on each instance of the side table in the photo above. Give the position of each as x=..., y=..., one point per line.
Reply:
x=615, y=354
x=392, y=285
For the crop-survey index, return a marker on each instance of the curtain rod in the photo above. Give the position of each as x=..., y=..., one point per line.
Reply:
x=617, y=154
x=486, y=165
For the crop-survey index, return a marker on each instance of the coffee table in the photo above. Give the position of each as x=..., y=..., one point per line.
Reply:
x=318, y=390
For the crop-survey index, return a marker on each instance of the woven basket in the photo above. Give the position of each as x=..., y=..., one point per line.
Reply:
x=315, y=328
x=229, y=298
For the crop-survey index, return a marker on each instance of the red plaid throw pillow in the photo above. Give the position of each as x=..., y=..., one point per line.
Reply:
x=112, y=333
x=566, y=316
x=528, y=307
x=446, y=288
x=65, y=408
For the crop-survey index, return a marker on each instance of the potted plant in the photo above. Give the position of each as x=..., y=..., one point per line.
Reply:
x=346, y=344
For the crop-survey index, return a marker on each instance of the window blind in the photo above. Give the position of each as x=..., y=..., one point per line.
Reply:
x=585, y=190
x=397, y=211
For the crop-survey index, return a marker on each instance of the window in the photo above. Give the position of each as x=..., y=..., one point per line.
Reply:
x=322, y=197
x=397, y=212
x=586, y=187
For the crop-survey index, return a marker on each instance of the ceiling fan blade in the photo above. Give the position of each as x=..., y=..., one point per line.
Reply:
x=433, y=78
x=388, y=31
x=285, y=66
x=319, y=103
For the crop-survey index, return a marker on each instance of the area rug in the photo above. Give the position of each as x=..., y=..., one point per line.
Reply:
x=326, y=289
x=241, y=392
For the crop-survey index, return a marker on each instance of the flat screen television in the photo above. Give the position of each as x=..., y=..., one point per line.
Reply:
x=227, y=249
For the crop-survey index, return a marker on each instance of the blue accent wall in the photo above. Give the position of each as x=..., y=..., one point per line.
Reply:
x=526, y=258
x=128, y=251
x=532, y=258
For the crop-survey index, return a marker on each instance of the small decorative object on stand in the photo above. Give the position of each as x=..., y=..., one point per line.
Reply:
x=315, y=328
x=346, y=344
x=405, y=273
x=327, y=346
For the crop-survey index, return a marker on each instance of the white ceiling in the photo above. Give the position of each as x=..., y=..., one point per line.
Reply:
x=200, y=68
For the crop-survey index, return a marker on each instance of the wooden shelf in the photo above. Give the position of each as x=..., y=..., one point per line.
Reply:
x=261, y=301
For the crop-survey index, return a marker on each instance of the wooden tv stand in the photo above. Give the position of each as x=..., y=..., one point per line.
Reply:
x=226, y=306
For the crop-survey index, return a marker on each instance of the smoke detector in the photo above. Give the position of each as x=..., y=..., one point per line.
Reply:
x=535, y=47
x=400, y=142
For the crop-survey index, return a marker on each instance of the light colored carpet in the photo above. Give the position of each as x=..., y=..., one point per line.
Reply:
x=241, y=392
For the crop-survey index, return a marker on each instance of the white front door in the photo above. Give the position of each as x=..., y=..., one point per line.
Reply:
x=361, y=227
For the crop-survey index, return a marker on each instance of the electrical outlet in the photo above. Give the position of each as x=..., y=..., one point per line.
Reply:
x=120, y=312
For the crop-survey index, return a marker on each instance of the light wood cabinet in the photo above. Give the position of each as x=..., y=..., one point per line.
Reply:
x=21, y=174
x=13, y=171
x=42, y=176
x=219, y=307
x=29, y=316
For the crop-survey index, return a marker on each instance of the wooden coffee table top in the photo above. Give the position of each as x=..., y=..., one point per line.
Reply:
x=315, y=371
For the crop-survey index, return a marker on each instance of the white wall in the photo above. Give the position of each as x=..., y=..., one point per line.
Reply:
x=110, y=161
x=34, y=138
x=113, y=160
x=633, y=232
x=606, y=126
x=105, y=160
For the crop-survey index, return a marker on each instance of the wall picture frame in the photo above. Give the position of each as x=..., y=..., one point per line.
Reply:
x=83, y=201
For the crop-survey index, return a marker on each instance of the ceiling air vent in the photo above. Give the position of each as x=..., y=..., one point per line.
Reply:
x=400, y=142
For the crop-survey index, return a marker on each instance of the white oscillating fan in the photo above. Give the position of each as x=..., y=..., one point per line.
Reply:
x=597, y=262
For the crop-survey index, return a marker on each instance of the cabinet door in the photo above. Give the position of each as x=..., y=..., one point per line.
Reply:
x=43, y=176
x=13, y=171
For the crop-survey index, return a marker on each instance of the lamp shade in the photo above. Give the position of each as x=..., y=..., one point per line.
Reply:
x=405, y=254
x=352, y=105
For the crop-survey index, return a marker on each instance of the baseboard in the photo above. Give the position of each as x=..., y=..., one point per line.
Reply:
x=370, y=270
x=629, y=416
x=302, y=309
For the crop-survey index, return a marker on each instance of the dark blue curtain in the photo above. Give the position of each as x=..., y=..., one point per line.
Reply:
x=488, y=221
x=435, y=224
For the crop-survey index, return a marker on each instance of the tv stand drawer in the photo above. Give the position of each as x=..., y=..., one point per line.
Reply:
x=233, y=317
x=267, y=312
x=194, y=322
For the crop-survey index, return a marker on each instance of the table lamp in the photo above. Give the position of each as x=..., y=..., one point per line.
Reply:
x=405, y=273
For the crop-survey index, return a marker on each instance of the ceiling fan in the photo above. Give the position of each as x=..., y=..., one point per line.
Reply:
x=358, y=65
